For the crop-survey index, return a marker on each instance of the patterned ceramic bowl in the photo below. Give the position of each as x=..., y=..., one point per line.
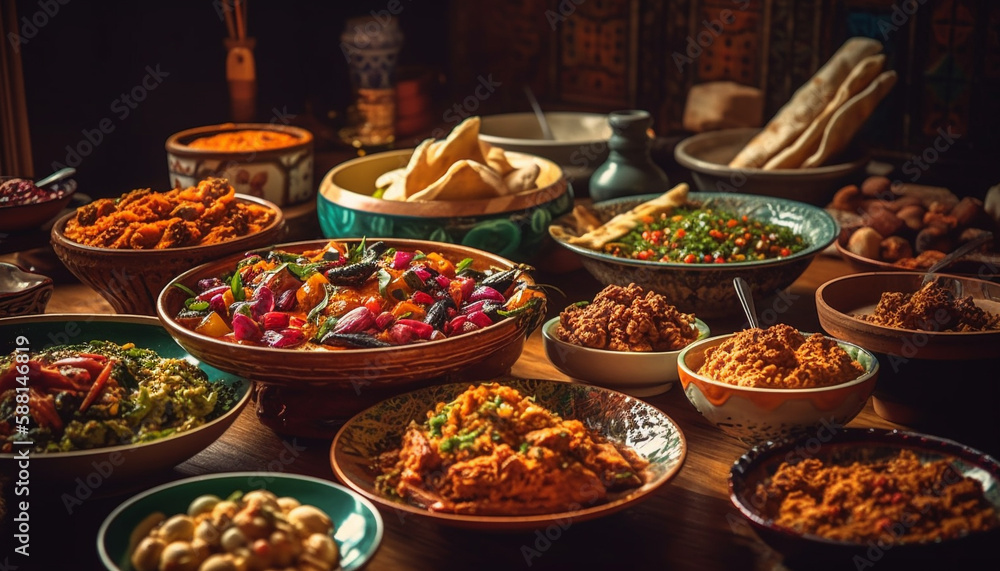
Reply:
x=22, y=292
x=513, y=226
x=756, y=414
x=282, y=175
x=707, y=289
x=617, y=417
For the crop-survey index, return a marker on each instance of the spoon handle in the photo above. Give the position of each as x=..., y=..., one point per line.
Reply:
x=542, y=121
x=957, y=253
x=746, y=300
x=56, y=176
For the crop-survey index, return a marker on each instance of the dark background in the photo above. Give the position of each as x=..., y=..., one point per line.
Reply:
x=89, y=53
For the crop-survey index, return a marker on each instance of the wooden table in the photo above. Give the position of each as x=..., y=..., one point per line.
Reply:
x=687, y=524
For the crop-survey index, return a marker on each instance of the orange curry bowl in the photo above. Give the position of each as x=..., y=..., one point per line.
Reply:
x=311, y=389
x=755, y=415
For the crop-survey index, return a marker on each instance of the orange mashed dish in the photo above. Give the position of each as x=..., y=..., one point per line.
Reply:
x=144, y=220
x=249, y=140
x=493, y=451
x=897, y=500
x=779, y=357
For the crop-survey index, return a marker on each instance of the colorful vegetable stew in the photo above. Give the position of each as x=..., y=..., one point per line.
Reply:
x=360, y=296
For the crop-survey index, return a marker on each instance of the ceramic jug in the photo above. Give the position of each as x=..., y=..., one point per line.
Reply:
x=630, y=169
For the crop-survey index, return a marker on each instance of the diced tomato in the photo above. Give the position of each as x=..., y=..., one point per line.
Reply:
x=708, y=258
x=643, y=255
x=785, y=252
x=731, y=223
x=690, y=259
x=740, y=242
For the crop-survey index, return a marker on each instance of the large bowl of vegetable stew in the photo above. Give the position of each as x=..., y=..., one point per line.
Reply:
x=328, y=328
x=692, y=253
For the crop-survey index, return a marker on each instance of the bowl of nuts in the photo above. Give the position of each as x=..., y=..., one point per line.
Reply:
x=904, y=227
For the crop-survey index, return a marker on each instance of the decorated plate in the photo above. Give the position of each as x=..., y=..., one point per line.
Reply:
x=614, y=415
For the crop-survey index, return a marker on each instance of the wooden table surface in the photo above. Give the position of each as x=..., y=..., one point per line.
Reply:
x=687, y=524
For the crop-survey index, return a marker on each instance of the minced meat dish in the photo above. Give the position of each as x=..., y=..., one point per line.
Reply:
x=779, y=357
x=932, y=308
x=627, y=319
x=895, y=500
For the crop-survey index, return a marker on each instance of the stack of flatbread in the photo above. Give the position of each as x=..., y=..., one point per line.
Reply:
x=460, y=167
x=823, y=115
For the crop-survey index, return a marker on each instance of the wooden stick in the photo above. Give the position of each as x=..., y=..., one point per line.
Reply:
x=227, y=9
x=240, y=24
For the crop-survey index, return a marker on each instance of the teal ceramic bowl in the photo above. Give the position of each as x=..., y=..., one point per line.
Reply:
x=357, y=524
x=707, y=289
x=129, y=461
x=514, y=226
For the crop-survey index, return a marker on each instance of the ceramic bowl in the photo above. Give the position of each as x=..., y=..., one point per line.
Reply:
x=845, y=446
x=124, y=463
x=131, y=279
x=617, y=417
x=757, y=414
x=707, y=289
x=17, y=218
x=311, y=393
x=638, y=373
x=912, y=387
x=707, y=156
x=512, y=226
x=357, y=524
x=22, y=292
x=283, y=176
x=579, y=146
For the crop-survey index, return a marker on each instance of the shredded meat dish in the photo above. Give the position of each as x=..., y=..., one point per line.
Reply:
x=493, y=451
x=932, y=308
x=779, y=357
x=627, y=319
x=144, y=220
x=896, y=500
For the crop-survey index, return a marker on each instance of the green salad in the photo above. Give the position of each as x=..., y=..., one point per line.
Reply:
x=99, y=393
x=694, y=235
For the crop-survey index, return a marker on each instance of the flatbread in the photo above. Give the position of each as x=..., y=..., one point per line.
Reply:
x=808, y=142
x=522, y=179
x=464, y=180
x=847, y=120
x=625, y=222
x=432, y=159
x=805, y=105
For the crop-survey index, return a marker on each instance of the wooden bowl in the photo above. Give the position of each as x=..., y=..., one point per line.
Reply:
x=513, y=226
x=283, y=175
x=918, y=367
x=131, y=279
x=311, y=393
x=18, y=217
x=975, y=265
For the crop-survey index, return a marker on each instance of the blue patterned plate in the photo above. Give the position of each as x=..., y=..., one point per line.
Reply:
x=616, y=416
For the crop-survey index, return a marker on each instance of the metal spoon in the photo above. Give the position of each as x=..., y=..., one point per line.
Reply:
x=746, y=300
x=55, y=177
x=956, y=254
x=542, y=121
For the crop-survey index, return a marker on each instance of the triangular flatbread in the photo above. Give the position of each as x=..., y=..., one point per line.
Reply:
x=438, y=156
x=464, y=180
x=847, y=120
x=625, y=222
x=860, y=78
x=805, y=105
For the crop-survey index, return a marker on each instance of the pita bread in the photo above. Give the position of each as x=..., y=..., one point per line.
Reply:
x=432, y=159
x=464, y=180
x=805, y=105
x=860, y=77
x=522, y=179
x=496, y=159
x=847, y=120
x=625, y=222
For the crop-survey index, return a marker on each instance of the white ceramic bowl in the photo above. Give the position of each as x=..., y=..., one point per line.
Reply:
x=755, y=415
x=637, y=373
x=580, y=144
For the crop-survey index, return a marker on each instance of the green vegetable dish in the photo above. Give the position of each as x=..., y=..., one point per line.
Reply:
x=692, y=235
x=97, y=394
